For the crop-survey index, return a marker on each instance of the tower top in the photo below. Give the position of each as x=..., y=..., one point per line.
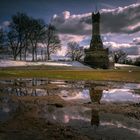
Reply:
x=95, y=17
x=96, y=8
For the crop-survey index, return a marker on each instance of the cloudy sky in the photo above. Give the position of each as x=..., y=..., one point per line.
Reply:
x=120, y=20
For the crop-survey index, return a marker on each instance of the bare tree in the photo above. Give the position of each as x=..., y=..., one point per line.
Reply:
x=17, y=35
x=37, y=35
x=13, y=43
x=1, y=38
x=75, y=51
x=137, y=62
x=51, y=41
x=119, y=56
x=25, y=31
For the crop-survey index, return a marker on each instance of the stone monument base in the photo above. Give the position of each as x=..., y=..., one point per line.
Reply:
x=97, y=58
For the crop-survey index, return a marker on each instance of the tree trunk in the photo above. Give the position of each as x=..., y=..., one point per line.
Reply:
x=35, y=53
x=25, y=53
x=33, y=58
x=20, y=55
x=48, y=53
x=72, y=57
x=15, y=57
x=42, y=55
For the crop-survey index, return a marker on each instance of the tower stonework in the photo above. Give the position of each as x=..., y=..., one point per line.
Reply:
x=96, y=56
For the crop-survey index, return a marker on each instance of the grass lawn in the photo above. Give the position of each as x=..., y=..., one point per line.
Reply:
x=56, y=73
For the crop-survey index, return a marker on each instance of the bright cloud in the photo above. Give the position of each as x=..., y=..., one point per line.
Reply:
x=65, y=38
x=136, y=41
x=130, y=48
x=70, y=37
x=118, y=20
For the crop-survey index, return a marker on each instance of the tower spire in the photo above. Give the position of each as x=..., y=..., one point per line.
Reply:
x=96, y=7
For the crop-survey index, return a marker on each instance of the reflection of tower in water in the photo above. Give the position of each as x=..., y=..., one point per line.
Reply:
x=95, y=95
x=95, y=120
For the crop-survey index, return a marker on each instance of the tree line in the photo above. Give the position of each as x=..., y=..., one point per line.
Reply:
x=25, y=33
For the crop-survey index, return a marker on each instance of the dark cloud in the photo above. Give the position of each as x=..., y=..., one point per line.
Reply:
x=119, y=20
x=133, y=50
x=130, y=48
x=71, y=24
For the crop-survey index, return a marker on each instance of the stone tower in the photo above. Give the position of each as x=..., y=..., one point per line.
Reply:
x=96, y=41
x=96, y=56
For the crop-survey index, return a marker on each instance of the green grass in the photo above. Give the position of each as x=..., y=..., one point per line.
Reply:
x=111, y=75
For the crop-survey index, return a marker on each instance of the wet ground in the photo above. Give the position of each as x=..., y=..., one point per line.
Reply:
x=43, y=109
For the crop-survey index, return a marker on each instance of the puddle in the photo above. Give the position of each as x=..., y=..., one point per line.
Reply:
x=90, y=122
x=7, y=108
x=93, y=123
x=120, y=96
x=105, y=92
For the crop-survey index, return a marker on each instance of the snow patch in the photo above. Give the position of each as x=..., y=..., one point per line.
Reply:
x=123, y=65
x=11, y=63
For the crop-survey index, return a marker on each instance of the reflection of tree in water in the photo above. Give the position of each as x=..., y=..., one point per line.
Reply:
x=25, y=87
x=40, y=87
x=95, y=120
x=95, y=95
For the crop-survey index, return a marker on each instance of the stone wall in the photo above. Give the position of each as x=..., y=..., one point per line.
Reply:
x=97, y=58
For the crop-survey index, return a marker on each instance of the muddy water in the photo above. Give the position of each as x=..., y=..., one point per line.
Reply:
x=93, y=123
x=42, y=108
x=81, y=91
